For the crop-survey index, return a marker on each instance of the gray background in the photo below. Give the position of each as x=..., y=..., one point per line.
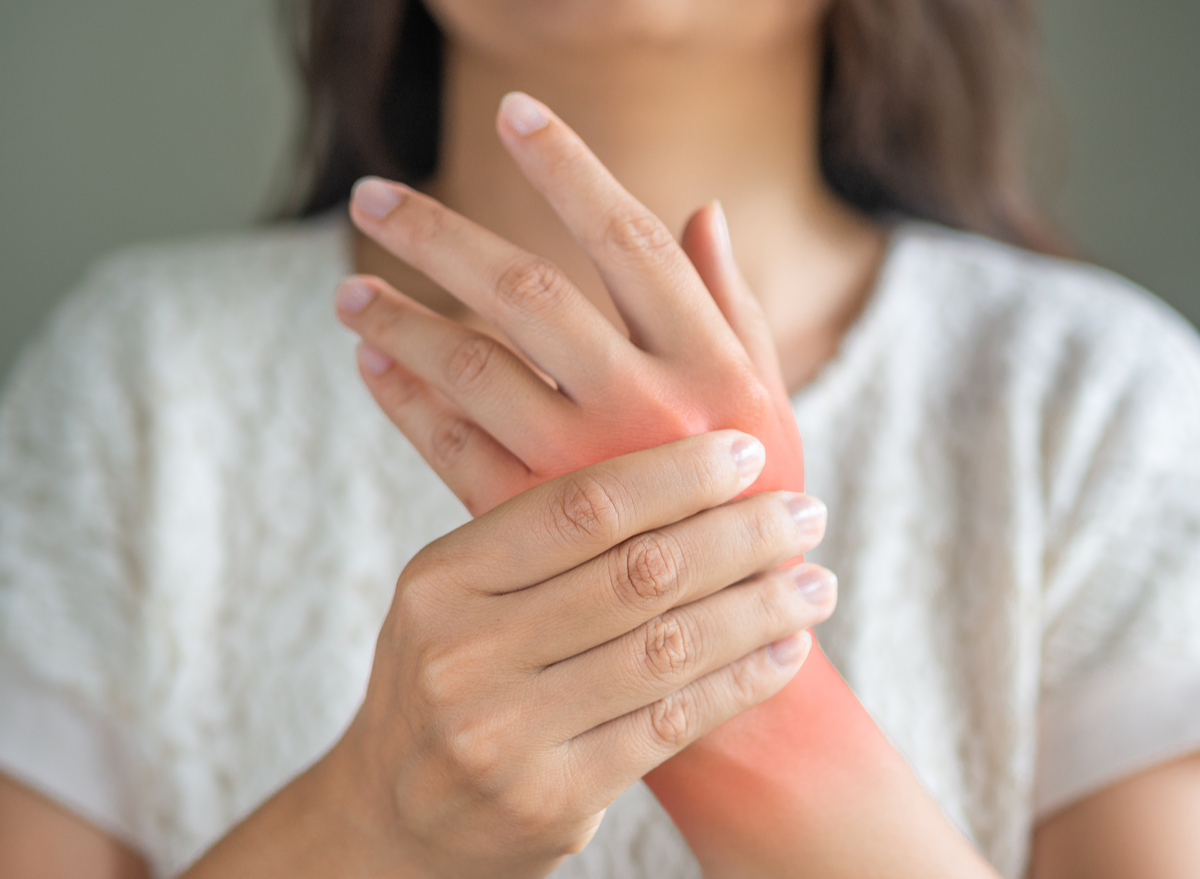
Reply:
x=135, y=119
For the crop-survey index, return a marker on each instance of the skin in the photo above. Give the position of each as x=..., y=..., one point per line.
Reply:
x=719, y=105
x=472, y=754
x=806, y=778
x=684, y=102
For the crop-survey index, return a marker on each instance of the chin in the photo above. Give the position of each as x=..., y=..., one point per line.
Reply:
x=516, y=26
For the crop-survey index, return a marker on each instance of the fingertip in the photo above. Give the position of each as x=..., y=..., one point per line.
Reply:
x=522, y=114
x=699, y=234
x=353, y=295
x=749, y=457
x=818, y=587
x=788, y=654
x=373, y=361
x=375, y=198
x=721, y=230
x=810, y=515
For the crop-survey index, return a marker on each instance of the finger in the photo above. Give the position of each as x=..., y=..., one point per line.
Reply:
x=478, y=373
x=686, y=643
x=706, y=242
x=658, y=570
x=527, y=297
x=608, y=758
x=480, y=471
x=563, y=523
x=650, y=279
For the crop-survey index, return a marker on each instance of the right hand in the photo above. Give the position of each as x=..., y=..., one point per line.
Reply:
x=542, y=658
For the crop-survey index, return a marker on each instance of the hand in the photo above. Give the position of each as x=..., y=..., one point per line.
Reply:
x=540, y=659
x=493, y=421
x=806, y=778
x=699, y=356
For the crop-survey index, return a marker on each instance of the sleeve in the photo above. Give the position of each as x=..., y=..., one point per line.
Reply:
x=71, y=452
x=1120, y=688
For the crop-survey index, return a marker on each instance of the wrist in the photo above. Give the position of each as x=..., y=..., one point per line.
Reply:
x=320, y=824
x=357, y=799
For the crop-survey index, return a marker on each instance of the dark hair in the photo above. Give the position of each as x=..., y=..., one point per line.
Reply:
x=922, y=106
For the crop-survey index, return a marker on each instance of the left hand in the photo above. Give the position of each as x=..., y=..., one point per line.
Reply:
x=699, y=357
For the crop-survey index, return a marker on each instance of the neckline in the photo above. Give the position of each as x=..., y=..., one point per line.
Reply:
x=869, y=322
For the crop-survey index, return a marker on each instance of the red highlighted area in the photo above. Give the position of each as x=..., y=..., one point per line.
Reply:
x=780, y=779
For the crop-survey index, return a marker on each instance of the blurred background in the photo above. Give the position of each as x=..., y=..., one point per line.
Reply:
x=131, y=120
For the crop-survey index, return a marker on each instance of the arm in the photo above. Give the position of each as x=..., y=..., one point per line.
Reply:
x=473, y=753
x=39, y=838
x=806, y=778
x=1145, y=826
x=637, y=582
x=310, y=828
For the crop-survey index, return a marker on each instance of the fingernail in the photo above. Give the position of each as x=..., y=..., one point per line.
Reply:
x=749, y=457
x=787, y=652
x=522, y=113
x=809, y=513
x=817, y=585
x=373, y=360
x=353, y=295
x=375, y=197
x=723, y=229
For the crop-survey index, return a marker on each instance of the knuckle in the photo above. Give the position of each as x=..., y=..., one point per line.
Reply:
x=527, y=812
x=579, y=834
x=470, y=362
x=585, y=508
x=745, y=681
x=409, y=599
x=574, y=845
x=711, y=476
x=449, y=441
x=668, y=647
x=438, y=681
x=673, y=720
x=401, y=392
x=412, y=609
x=414, y=573
x=639, y=234
x=429, y=566
x=474, y=755
x=754, y=393
x=649, y=570
x=765, y=526
x=531, y=285
x=775, y=602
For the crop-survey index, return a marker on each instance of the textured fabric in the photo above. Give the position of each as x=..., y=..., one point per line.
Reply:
x=203, y=514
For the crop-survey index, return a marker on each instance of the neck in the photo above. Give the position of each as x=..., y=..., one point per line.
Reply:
x=678, y=128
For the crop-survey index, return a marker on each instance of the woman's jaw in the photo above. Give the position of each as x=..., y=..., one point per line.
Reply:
x=551, y=27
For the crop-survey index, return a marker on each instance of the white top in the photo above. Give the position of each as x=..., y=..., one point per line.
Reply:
x=202, y=516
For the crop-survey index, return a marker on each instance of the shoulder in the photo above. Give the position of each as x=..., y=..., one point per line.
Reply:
x=218, y=274
x=1034, y=295
x=1048, y=330
x=173, y=331
x=214, y=298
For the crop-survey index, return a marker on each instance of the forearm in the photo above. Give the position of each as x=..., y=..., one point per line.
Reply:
x=806, y=780
x=316, y=826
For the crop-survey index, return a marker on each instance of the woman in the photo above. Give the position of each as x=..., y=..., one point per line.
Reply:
x=203, y=513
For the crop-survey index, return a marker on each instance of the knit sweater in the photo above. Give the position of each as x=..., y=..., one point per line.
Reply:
x=203, y=515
